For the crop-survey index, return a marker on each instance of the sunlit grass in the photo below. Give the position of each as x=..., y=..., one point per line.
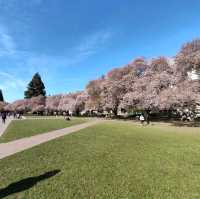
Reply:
x=111, y=160
x=26, y=128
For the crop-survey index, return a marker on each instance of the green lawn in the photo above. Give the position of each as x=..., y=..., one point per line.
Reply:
x=112, y=160
x=48, y=117
x=26, y=128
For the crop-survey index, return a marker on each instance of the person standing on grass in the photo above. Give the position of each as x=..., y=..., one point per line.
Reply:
x=3, y=116
x=142, y=119
x=146, y=117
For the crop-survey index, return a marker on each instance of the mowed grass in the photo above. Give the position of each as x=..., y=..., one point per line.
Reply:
x=42, y=117
x=110, y=160
x=26, y=128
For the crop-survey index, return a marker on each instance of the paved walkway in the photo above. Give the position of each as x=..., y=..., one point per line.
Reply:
x=3, y=127
x=10, y=148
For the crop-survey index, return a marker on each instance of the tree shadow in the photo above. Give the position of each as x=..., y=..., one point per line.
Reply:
x=26, y=183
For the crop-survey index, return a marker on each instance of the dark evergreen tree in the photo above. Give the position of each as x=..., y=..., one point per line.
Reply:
x=1, y=96
x=35, y=87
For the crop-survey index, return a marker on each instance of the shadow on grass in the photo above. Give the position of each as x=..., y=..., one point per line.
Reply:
x=186, y=124
x=25, y=184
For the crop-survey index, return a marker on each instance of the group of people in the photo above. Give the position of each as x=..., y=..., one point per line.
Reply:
x=187, y=116
x=66, y=116
x=4, y=115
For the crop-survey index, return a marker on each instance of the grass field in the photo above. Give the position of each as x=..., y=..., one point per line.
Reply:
x=112, y=160
x=42, y=117
x=26, y=128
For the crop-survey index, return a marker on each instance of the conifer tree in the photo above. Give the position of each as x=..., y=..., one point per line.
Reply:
x=35, y=87
x=1, y=96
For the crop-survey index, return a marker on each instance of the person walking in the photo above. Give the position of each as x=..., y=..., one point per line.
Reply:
x=3, y=116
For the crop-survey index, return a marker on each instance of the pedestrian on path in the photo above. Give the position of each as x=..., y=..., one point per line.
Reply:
x=3, y=116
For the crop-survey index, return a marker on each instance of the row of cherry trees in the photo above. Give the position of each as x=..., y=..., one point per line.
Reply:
x=157, y=84
x=73, y=102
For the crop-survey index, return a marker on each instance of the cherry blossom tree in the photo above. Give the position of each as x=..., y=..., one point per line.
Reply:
x=2, y=105
x=67, y=102
x=188, y=59
x=80, y=104
x=19, y=105
x=157, y=76
x=37, y=104
x=183, y=96
x=52, y=103
x=114, y=88
x=94, y=91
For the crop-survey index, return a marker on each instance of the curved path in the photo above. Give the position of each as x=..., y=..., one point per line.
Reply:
x=10, y=148
x=3, y=127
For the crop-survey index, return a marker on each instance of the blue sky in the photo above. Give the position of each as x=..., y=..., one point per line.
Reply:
x=70, y=42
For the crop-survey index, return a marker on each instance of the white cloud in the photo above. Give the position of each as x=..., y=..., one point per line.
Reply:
x=12, y=86
x=87, y=47
x=9, y=81
x=7, y=44
x=94, y=42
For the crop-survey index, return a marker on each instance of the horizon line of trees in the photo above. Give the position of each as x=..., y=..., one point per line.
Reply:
x=159, y=84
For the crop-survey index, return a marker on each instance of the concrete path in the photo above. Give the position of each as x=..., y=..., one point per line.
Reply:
x=10, y=148
x=3, y=127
